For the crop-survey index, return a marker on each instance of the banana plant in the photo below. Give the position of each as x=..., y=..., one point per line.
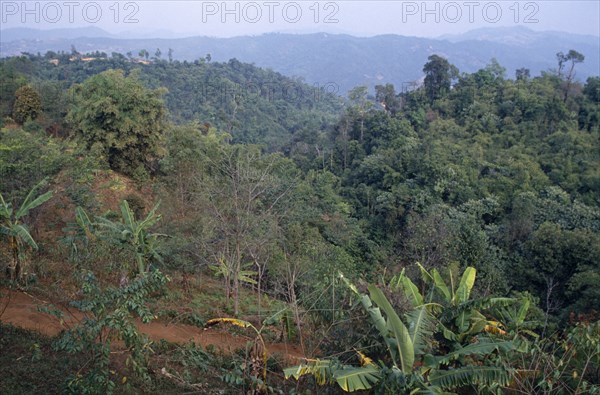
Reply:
x=79, y=234
x=222, y=269
x=134, y=233
x=13, y=227
x=259, y=353
x=461, y=316
x=399, y=340
x=411, y=346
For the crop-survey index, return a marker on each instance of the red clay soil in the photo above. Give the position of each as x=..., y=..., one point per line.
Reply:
x=21, y=309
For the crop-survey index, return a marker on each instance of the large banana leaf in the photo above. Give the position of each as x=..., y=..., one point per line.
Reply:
x=380, y=324
x=427, y=278
x=21, y=232
x=448, y=334
x=410, y=290
x=115, y=227
x=469, y=375
x=440, y=284
x=483, y=347
x=463, y=321
x=5, y=209
x=522, y=312
x=400, y=344
x=30, y=203
x=127, y=214
x=245, y=276
x=320, y=369
x=349, y=378
x=357, y=378
x=484, y=304
x=420, y=328
x=84, y=222
x=466, y=284
x=151, y=218
x=401, y=339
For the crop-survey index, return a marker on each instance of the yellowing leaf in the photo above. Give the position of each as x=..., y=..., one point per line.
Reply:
x=233, y=321
x=494, y=327
x=364, y=360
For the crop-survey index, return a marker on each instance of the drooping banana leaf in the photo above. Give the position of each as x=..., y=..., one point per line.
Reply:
x=401, y=339
x=380, y=324
x=411, y=291
x=441, y=285
x=468, y=375
x=427, y=278
x=483, y=347
x=357, y=378
x=21, y=232
x=320, y=369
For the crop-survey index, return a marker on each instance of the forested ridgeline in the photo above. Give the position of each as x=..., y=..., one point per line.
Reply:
x=289, y=196
x=251, y=104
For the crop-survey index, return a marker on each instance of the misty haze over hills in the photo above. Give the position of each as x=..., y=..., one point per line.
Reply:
x=342, y=60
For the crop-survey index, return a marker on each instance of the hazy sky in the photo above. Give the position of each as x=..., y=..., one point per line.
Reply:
x=363, y=18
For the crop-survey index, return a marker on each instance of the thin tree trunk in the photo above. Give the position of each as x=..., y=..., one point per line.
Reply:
x=258, y=268
x=236, y=279
x=16, y=267
x=297, y=316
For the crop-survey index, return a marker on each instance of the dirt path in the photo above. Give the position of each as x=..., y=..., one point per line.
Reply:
x=21, y=309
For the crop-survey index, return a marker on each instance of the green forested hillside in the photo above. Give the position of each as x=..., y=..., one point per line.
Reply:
x=251, y=104
x=342, y=60
x=490, y=173
x=445, y=239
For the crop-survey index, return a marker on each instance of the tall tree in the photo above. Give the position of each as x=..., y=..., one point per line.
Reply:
x=386, y=95
x=522, y=74
x=439, y=74
x=28, y=104
x=122, y=117
x=243, y=192
x=358, y=97
x=573, y=57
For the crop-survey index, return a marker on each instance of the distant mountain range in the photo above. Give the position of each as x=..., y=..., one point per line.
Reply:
x=334, y=60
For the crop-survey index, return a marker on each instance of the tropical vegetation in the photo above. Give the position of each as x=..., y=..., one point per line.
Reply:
x=444, y=239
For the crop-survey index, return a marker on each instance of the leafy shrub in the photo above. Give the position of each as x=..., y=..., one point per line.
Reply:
x=110, y=314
